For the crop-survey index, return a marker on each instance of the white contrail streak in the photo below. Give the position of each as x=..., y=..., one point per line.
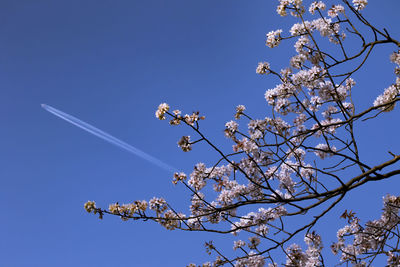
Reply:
x=109, y=138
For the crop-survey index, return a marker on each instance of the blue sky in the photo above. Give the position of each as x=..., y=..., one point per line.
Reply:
x=110, y=63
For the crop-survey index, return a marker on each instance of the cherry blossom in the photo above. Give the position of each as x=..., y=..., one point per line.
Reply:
x=300, y=159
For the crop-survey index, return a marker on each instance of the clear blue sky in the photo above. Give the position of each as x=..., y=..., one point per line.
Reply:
x=111, y=63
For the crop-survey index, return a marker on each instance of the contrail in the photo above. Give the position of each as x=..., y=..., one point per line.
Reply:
x=109, y=138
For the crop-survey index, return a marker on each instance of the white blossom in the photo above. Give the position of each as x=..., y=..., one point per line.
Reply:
x=184, y=143
x=298, y=60
x=90, y=206
x=198, y=177
x=360, y=4
x=253, y=260
x=281, y=9
x=179, y=177
x=171, y=220
x=158, y=204
x=273, y=38
x=227, y=196
x=387, y=97
x=301, y=28
x=194, y=223
x=238, y=244
x=316, y=5
x=329, y=111
x=335, y=10
x=395, y=57
x=263, y=229
x=299, y=121
x=309, y=78
x=239, y=111
x=162, y=109
x=262, y=68
x=231, y=126
x=329, y=126
x=323, y=150
x=325, y=26
x=300, y=43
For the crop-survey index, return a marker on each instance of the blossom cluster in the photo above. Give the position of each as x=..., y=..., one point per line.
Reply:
x=273, y=39
x=162, y=109
x=184, y=143
x=90, y=206
x=295, y=256
x=323, y=150
x=284, y=5
x=179, y=177
x=127, y=211
x=386, y=101
x=395, y=57
x=257, y=219
x=364, y=240
x=158, y=204
x=262, y=68
x=239, y=111
x=387, y=98
x=171, y=220
x=316, y=6
x=335, y=10
x=193, y=118
x=360, y=4
x=253, y=260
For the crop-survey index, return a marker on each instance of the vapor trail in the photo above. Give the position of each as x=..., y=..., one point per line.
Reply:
x=109, y=138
